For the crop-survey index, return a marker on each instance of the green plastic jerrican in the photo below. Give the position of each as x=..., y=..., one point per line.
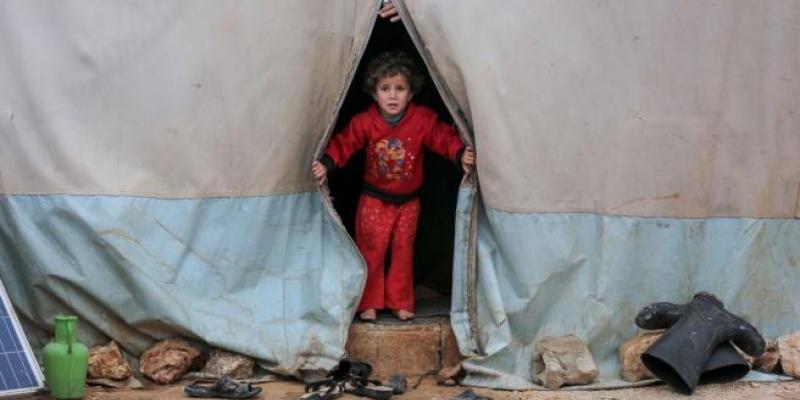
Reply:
x=66, y=361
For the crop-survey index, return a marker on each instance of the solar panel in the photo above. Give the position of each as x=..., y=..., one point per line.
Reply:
x=19, y=372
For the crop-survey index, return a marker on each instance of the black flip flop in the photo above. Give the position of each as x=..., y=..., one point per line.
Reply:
x=224, y=388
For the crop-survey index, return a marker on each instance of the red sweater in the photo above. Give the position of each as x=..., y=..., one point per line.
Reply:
x=394, y=153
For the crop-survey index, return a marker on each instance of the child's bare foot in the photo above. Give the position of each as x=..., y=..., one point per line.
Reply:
x=404, y=315
x=369, y=314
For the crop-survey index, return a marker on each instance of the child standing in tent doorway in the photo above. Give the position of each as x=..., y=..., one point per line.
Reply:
x=394, y=131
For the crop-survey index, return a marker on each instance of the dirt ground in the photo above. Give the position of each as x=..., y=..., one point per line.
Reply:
x=429, y=390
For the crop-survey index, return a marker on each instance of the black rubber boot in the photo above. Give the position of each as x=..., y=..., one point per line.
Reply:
x=696, y=329
x=724, y=365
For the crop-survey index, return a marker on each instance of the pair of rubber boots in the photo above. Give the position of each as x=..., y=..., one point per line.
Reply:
x=696, y=347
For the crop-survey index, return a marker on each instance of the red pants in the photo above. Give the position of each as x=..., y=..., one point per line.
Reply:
x=379, y=223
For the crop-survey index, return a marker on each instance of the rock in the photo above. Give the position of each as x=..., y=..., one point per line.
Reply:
x=769, y=360
x=236, y=366
x=766, y=362
x=166, y=361
x=630, y=356
x=563, y=361
x=789, y=350
x=451, y=376
x=107, y=362
x=130, y=383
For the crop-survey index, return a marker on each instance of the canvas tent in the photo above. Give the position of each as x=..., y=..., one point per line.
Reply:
x=154, y=169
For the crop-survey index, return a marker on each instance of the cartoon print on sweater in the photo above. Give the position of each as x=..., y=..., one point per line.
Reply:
x=389, y=160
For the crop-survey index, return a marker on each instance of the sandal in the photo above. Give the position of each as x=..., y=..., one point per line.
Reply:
x=372, y=392
x=350, y=377
x=323, y=390
x=224, y=388
x=320, y=396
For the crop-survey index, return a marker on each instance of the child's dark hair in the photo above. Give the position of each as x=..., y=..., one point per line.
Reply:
x=390, y=64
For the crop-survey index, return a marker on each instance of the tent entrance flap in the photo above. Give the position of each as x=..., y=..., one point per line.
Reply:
x=155, y=174
x=464, y=307
x=436, y=239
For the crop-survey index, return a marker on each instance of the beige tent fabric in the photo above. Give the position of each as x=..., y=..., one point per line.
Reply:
x=170, y=98
x=674, y=108
x=647, y=108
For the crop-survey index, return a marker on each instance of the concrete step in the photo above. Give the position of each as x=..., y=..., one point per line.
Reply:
x=421, y=347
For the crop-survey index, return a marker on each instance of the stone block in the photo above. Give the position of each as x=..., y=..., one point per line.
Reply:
x=362, y=343
x=563, y=361
x=168, y=360
x=451, y=356
x=630, y=356
x=410, y=349
x=107, y=362
x=769, y=360
x=789, y=349
x=234, y=365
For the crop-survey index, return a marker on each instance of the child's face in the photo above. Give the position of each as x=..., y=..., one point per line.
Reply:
x=392, y=94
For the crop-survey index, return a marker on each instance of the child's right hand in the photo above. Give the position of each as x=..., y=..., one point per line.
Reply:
x=319, y=171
